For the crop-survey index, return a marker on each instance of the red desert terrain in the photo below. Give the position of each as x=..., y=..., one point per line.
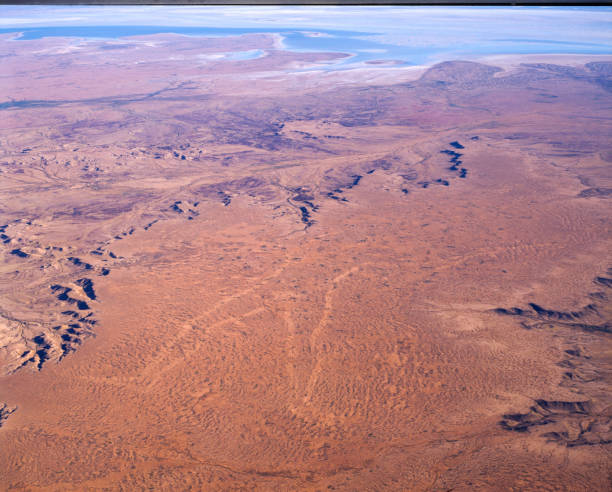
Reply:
x=236, y=275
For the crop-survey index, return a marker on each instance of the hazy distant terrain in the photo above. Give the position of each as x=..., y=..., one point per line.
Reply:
x=224, y=265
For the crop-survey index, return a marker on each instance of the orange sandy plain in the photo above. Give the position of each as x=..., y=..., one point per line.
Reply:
x=223, y=275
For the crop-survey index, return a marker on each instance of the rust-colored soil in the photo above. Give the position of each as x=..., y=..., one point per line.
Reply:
x=233, y=276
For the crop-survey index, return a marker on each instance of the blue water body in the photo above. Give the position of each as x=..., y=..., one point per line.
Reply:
x=244, y=55
x=358, y=45
x=362, y=46
x=113, y=32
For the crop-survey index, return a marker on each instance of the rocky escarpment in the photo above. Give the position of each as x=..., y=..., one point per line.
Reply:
x=5, y=412
x=588, y=419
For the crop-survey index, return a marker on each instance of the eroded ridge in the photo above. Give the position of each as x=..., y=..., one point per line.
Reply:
x=5, y=412
x=569, y=423
x=57, y=317
x=593, y=317
x=581, y=422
